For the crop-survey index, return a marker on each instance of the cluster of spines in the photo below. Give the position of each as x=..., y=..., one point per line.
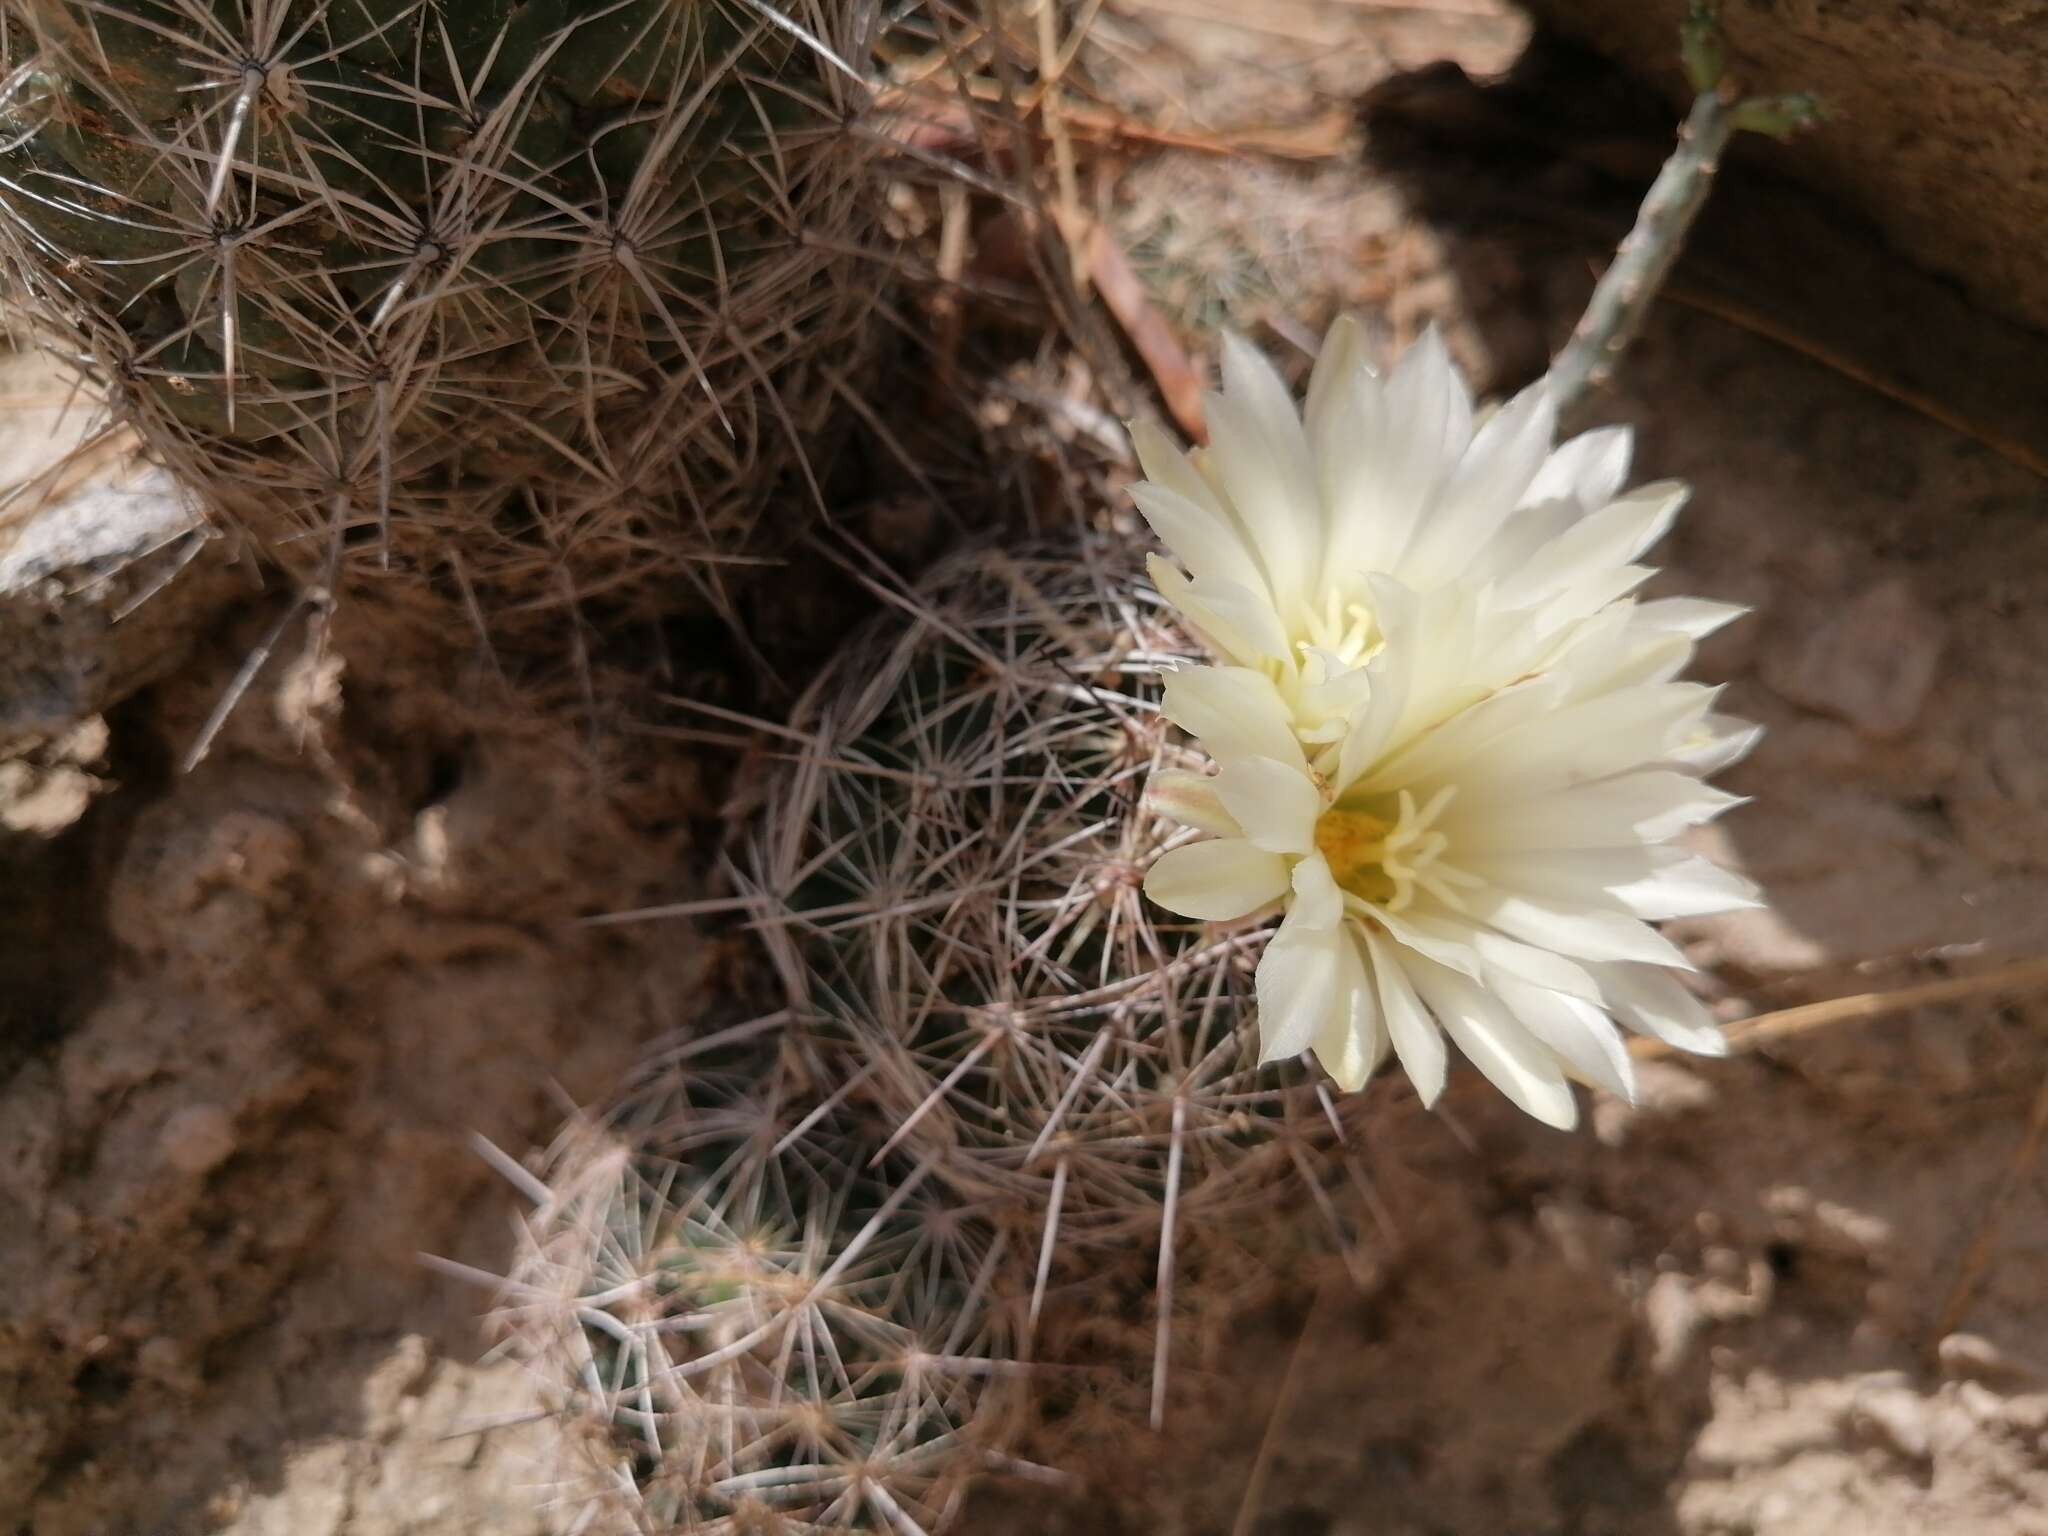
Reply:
x=543, y=300
x=949, y=880
x=748, y=1319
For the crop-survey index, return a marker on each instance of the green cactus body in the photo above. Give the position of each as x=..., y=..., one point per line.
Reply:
x=756, y=1336
x=477, y=249
x=956, y=881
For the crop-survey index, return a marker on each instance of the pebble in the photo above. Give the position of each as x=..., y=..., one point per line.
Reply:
x=1971, y=1357
x=1895, y=1419
x=197, y=1139
x=1872, y=664
x=1673, y=1318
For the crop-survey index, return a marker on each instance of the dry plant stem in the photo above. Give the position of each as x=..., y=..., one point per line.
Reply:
x=2025, y=976
x=1626, y=290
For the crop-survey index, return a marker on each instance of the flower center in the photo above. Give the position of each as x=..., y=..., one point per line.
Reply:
x=1384, y=854
x=1354, y=845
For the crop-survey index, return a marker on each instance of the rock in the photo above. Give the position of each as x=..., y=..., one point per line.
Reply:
x=1894, y=1418
x=1871, y=664
x=102, y=588
x=197, y=1139
x=1674, y=1320
x=1969, y=1357
x=1939, y=133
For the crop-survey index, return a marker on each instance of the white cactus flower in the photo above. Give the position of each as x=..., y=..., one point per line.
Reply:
x=1285, y=522
x=1451, y=749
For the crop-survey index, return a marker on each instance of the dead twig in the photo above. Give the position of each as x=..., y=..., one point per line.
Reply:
x=1784, y=1023
x=1123, y=291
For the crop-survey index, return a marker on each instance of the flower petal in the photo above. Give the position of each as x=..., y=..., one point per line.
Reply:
x=1654, y=1002
x=1600, y=542
x=1484, y=489
x=1233, y=711
x=1190, y=799
x=1587, y=469
x=1573, y=1030
x=1317, y=901
x=1216, y=879
x=1259, y=453
x=1720, y=741
x=1230, y=619
x=1417, y=1041
x=1206, y=542
x=1584, y=932
x=1512, y=1059
x=1274, y=802
x=1165, y=465
x=1298, y=980
x=1694, y=617
x=1647, y=807
x=1352, y=1044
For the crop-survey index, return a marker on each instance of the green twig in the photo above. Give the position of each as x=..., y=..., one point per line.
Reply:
x=1623, y=295
x=1644, y=259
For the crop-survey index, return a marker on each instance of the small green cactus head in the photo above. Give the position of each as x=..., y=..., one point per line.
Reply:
x=950, y=877
x=746, y=1321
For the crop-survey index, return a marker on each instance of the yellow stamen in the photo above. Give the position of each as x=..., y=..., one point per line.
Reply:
x=1354, y=845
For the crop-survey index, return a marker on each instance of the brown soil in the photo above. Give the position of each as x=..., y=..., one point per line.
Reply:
x=254, y=1013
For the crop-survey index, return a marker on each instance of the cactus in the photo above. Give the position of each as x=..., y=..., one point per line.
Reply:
x=529, y=296
x=949, y=882
x=749, y=1323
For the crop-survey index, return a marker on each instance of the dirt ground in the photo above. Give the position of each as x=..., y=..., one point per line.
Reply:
x=255, y=1012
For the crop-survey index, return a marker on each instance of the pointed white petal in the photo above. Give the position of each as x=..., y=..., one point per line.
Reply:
x=1648, y=807
x=1298, y=983
x=1353, y=1043
x=1317, y=901
x=1259, y=453
x=1576, y=1032
x=1584, y=932
x=1372, y=725
x=1165, y=465
x=1191, y=800
x=1205, y=541
x=1274, y=802
x=1337, y=387
x=1534, y=526
x=1512, y=1059
x=1721, y=742
x=1654, y=1002
x=1600, y=542
x=1233, y=711
x=1688, y=888
x=1443, y=748
x=1591, y=738
x=1451, y=942
x=1694, y=617
x=1231, y=619
x=1216, y=879
x=1416, y=1040
x=1588, y=470
x=1484, y=489
x=1534, y=966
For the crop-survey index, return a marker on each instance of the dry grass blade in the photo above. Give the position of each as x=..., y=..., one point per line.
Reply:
x=2020, y=979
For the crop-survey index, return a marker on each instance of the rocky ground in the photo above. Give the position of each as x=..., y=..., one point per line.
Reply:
x=254, y=1012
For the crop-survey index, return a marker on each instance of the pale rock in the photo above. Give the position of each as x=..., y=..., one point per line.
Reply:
x=1674, y=1320
x=1871, y=664
x=197, y=1139
x=1971, y=1357
x=1895, y=1419
x=102, y=589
